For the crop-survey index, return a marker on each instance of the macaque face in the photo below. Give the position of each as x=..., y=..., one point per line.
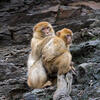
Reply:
x=66, y=35
x=68, y=38
x=46, y=31
x=43, y=29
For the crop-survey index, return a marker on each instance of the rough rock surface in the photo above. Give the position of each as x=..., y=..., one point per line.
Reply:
x=17, y=18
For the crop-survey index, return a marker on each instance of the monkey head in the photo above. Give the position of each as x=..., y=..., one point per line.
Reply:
x=43, y=29
x=65, y=34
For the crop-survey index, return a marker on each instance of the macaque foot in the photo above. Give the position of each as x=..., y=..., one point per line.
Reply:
x=47, y=84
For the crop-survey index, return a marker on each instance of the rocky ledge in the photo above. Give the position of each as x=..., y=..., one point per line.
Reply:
x=17, y=18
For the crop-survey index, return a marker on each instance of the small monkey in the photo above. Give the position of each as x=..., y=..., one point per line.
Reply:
x=37, y=76
x=56, y=56
x=66, y=35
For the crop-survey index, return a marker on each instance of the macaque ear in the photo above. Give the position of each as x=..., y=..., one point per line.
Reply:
x=34, y=29
x=58, y=33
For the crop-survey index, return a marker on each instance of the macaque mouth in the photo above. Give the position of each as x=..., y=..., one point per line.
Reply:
x=48, y=33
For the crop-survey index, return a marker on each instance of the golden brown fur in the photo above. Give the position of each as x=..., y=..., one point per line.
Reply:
x=62, y=34
x=56, y=56
x=37, y=76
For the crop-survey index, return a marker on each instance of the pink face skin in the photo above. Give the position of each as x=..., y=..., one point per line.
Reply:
x=69, y=39
x=46, y=31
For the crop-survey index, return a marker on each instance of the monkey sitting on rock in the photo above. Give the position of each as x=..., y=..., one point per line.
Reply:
x=50, y=54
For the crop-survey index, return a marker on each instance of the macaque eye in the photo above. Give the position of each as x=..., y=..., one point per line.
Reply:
x=68, y=35
x=43, y=29
x=48, y=27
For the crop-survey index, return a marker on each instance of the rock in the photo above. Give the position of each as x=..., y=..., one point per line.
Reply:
x=73, y=23
x=90, y=87
x=10, y=85
x=94, y=98
x=84, y=49
x=43, y=2
x=32, y=15
x=68, y=12
x=43, y=10
x=13, y=91
x=83, y=69
x=21, y=34
x=83, y=92
x=30, y=96
x=70, y=24
x=90, y=4
x=6, y=68
x=88, y=70
x=5, y=36
x=95, y=24
x=95, y=31
x=17, y=18
x=38, y=94
x=84, y=35
x=17, y=1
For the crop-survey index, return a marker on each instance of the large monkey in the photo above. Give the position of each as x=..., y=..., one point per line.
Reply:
x=56, y=56
x=41, y=30
x=37, y=76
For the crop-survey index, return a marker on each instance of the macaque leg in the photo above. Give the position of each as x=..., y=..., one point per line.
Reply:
x=51, y=82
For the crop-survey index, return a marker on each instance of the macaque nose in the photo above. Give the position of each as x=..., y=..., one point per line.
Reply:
x=47, y=31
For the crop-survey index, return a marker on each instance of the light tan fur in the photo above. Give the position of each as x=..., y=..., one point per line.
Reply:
x=56, y=56
x=62, y=34
x=37, y=76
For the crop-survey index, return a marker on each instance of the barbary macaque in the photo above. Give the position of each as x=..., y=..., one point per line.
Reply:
x=37, y=75
x=56, y=56
x=40, y=31
x=66, y=35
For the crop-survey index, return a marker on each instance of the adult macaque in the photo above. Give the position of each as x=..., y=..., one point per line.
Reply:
x=41, y=30
x=37, y=76
x=56, y=56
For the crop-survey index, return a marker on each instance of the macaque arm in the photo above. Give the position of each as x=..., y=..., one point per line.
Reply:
x=37, y=46
x=41, y=44
x=53, y=49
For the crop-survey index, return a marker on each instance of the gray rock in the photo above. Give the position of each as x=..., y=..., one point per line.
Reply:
x=17, y=18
